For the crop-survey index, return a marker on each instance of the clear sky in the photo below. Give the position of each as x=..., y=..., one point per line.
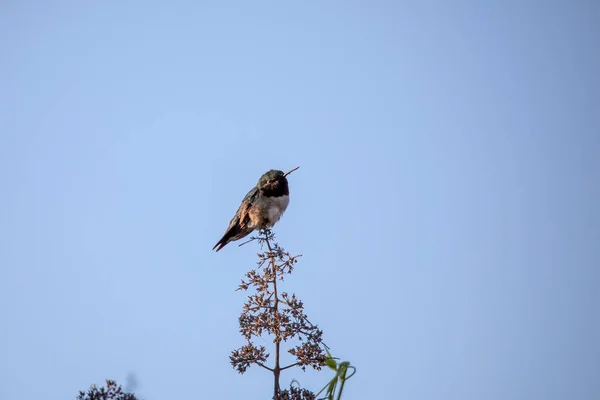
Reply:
x=447, y=201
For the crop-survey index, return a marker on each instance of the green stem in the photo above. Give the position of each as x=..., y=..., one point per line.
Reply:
x=341, y=388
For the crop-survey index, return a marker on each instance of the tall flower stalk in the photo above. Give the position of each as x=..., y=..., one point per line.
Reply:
x=277, y=314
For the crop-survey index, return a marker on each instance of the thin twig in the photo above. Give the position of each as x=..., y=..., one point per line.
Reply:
x=248, y=241
x=264, y=366
x=290, y=366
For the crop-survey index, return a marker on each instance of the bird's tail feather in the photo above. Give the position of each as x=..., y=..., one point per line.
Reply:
x=227, y=237
x=220, y=244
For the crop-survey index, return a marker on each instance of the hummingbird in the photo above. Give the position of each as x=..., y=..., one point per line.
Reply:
x=262, y=207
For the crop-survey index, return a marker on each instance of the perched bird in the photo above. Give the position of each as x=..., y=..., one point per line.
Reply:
x=261, y=208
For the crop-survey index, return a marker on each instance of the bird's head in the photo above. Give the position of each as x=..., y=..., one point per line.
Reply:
x=272, y=181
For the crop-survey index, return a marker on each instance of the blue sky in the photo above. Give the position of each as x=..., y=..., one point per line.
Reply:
x=446, y=204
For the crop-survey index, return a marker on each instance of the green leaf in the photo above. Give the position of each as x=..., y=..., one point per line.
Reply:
x=330, y=362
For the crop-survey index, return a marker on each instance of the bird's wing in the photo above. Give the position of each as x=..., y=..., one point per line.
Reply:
x=242, y=216
x=238, y=226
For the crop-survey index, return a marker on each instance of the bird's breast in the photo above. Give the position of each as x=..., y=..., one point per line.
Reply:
x=268, y=210
x=277, y=207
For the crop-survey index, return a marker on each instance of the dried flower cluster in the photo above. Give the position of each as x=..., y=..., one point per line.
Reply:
x=111, y=392
x=278, y=314
x=294, y=393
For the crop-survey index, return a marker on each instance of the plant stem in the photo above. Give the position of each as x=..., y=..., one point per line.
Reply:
x=341, y=388
x=277, y=368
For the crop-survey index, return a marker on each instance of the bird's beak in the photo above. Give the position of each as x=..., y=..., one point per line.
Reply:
x=290, y=171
